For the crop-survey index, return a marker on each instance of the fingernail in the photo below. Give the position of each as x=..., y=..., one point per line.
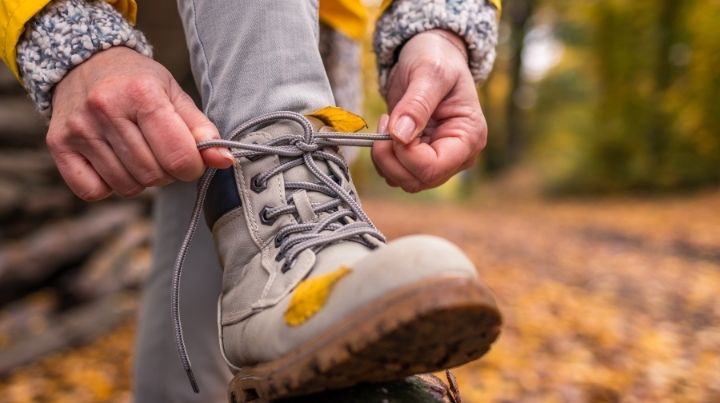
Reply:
x=227, y=154
x=405, y=128
x=382, y=124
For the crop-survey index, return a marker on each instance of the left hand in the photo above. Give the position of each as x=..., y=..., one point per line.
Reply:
x=436, y=122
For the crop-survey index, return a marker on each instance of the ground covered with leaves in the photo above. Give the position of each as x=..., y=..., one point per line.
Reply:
x=603, y=300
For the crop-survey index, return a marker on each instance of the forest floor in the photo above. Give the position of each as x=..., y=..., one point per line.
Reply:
x=603, y=300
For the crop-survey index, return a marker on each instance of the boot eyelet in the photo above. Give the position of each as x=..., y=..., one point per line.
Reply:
x=264, y=216
x=256, y=185
x=334, y=177
x=279, y=257
x=286, y=266
x=278, y=240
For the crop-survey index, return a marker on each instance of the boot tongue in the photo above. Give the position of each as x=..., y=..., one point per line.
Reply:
x=302, y=173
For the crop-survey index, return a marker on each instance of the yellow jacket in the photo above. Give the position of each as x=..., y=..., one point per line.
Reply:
x=346, y=16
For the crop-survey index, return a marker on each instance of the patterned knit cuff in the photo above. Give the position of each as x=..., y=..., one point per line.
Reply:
x=476, y=21
x=65, y=34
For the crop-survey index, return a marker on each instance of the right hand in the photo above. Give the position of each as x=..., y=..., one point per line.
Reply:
x=121, y=123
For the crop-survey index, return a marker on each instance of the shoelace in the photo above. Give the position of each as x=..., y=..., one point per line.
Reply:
x=345, y=221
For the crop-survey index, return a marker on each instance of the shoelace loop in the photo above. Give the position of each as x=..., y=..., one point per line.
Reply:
x=345, y=220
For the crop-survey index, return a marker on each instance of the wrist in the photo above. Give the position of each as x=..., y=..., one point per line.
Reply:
x=64, y=35
x=451, y=38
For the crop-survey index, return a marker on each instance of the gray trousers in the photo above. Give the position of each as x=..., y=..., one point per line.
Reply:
x=248, y=57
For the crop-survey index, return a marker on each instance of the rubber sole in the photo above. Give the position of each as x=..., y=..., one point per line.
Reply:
x=424, y=327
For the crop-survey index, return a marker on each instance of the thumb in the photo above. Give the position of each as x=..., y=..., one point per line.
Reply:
x=412, y=113
x=202, y=129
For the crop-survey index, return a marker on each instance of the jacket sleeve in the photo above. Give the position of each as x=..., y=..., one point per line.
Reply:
x=65, y=34
x=14, y=14
x=476, y=21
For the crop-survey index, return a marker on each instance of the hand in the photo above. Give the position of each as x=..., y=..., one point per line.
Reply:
x=121, y=123
x=436, y=122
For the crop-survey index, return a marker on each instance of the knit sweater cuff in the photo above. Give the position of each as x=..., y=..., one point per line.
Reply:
x=65, y=34
x=475, y=21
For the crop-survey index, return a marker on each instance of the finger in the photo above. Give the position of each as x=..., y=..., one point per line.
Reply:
x=394, y=173
x=411, y=114
x=80, y=176
x=202, y=129
x=111, y=170
x=383, y=123
x=134, y=153
x=434, y=163
x=169, y=138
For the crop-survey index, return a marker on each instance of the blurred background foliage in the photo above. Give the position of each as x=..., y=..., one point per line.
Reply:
x=601, y=97
x=605, y=299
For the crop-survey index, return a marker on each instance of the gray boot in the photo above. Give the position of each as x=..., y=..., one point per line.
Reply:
x=313, y=298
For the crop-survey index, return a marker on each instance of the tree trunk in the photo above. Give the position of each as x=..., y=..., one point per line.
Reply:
x=519, y=13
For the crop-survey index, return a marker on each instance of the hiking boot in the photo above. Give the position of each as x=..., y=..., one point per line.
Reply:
x=313, y=298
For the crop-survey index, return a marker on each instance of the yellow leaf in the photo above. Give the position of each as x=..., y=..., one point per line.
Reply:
x=311, y=295
x=339, y=119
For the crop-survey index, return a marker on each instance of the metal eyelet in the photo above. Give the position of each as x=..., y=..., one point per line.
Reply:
x=256, y=185
x=278, y=240
x=334, y=177
x=279, y=257
x=264, y=216
x=286, y=266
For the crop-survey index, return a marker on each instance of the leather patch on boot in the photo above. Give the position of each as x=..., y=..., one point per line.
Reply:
x=311, y=295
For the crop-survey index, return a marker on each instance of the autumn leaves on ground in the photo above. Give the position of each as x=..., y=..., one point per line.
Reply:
x=612, y=300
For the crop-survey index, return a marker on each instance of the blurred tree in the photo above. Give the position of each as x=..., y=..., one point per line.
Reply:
x=518, y=14
x=654, y=121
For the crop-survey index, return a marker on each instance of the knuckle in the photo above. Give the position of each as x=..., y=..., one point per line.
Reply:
x=77, y=124
x=183, y=165
x=153, y=178
x=427, y=175
x=420, y=104
x=101, y=98
x=54, y=141
x=130, y=192
x=143, y=90
x=412, y=187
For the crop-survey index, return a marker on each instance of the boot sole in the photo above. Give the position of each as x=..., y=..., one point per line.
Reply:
x=424, y=327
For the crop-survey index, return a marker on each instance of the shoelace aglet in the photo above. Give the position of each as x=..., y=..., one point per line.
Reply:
x=191, y=377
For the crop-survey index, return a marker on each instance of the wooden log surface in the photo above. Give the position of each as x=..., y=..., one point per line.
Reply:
x=20, y=124
x=77, y=326
x=30, y=260
x=116, y=265
x=425, y=388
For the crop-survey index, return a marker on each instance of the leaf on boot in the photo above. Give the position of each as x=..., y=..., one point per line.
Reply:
x=311, y=295
x=339, y=119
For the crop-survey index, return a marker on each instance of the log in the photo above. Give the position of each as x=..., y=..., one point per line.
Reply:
x=28, y=166
x=11, y=196
x=32, y=260
x=75, y=327
x=425, y=388
x=24, y=207
x=20, y=124
x=8, y=83
x=119, y=264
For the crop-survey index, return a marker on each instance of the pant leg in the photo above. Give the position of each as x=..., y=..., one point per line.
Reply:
x=248, y=57
x=158, y=374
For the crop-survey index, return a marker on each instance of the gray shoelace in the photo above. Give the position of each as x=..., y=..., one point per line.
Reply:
x=344, y=220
